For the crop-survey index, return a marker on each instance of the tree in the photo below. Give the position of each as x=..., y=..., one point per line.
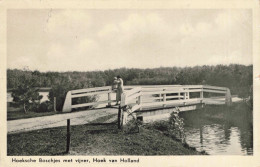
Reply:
x=238, y=78
x=60, y=89
x=26, y=93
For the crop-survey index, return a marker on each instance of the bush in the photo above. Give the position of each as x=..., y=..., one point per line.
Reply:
x=132, y=126
x=27, y=95
x=46, y=106
x=173, y=128
x=177, y=126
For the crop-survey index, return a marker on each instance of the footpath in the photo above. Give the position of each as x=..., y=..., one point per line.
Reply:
x=58, y=120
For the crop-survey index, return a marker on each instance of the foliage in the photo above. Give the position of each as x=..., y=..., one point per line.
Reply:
x=46, y=106
x=173, y=128
x=176, y=127
x=132, y=126
x=60, y=89
x=239, y=78
x=26, y=94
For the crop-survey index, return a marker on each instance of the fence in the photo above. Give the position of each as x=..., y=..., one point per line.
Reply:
x=89, y=92
x=68, y=106
x=139, y=97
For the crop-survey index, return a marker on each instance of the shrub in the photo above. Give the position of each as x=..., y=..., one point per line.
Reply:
x=46, y=106
x=176, y=126
x=132, y=126
x=27, y=94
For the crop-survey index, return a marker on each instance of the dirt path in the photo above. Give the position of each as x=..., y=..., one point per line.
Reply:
x=76, y=118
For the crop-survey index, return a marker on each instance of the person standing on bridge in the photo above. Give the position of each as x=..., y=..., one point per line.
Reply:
x=114, y=85
x=120, y=89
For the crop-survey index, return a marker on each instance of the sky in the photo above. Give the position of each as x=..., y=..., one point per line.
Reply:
x=102, y=39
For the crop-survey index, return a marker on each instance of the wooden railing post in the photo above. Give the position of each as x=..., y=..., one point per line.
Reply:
x=54, y=104
x=68, y=136
x=123, y=99
x=201, y=96
x=188, y=94
x=179, y=95
x=140, y=101
x=185, y=96
x=125, y=117
x=67, y=103
x=228, y=98
x=119, y=120
x=122, y=115
x=109, y=99
x=201, y=93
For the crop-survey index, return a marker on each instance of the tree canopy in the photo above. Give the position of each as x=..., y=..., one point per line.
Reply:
x=239, y=78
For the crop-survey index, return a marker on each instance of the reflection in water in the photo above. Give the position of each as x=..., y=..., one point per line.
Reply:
x=44, y=96
x=229, y=135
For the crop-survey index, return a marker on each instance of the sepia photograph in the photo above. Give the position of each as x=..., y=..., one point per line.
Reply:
x=134, y=82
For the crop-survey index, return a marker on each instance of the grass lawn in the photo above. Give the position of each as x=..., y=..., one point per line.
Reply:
x=14, y=113
x=95, y=139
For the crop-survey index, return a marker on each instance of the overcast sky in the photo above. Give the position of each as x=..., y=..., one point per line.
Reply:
x=86, y=40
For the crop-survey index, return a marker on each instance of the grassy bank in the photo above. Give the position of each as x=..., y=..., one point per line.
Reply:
x=96, y=139
x=17, y=112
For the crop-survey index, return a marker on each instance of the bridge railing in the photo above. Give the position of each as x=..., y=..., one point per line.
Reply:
x=89, y=92
x=140, y=98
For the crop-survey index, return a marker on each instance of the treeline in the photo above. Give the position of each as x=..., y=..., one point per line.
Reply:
x=239, y=78
x=24, y=83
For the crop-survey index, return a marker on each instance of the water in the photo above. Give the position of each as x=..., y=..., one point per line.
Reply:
x=223, y=134
x=44, y=96
x=216, y=130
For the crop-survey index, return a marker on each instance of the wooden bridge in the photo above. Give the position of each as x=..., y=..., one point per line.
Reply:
x=151, y=102
x=147, y=103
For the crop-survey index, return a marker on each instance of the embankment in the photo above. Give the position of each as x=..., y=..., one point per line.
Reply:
x=96, y=139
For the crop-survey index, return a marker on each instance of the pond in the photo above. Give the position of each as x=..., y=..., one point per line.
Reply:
x=44, y=96
x=220, y=130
